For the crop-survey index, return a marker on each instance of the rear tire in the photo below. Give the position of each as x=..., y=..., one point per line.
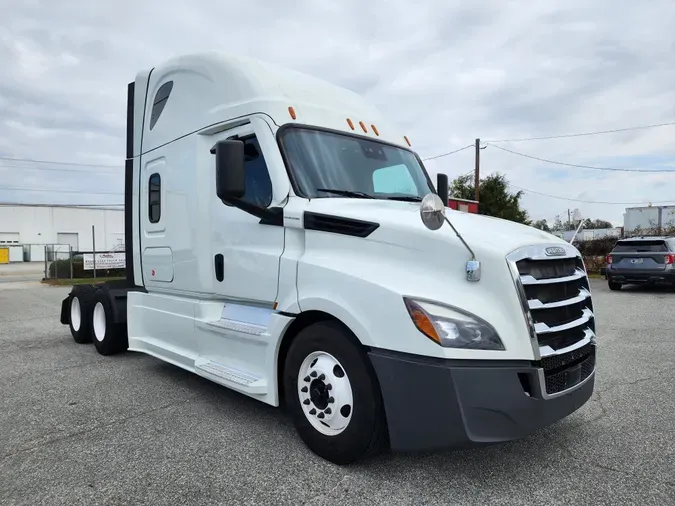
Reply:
x=81, y=303
x=108, y=337
x=333, y=395
x=613, y=285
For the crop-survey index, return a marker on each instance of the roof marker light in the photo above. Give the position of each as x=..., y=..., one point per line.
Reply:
x=406, y=139
x=291, y=111
x=375, y=130
x=363, y=127
x=351, y=125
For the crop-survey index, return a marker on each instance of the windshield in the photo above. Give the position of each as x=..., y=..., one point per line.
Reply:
x=326, y=164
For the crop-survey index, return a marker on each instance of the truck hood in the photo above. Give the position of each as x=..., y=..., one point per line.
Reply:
x=400, y=223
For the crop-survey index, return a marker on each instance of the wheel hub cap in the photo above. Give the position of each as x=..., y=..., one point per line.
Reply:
x=318, y=394
x=325, y=393
x=99, y=321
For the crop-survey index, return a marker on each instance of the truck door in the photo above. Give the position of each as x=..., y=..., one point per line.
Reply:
x=246, y=253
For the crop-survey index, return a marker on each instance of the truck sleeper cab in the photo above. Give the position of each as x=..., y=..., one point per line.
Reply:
x=284, y=240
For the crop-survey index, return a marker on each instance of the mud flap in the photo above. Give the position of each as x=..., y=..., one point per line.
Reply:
x=65, y=311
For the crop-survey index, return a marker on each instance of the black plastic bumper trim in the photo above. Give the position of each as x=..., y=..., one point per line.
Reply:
x=436, y=404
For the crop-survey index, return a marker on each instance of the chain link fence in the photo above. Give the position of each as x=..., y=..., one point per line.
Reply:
x=62, y=262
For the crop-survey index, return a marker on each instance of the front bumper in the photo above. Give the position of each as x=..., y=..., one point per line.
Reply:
x=435, y=404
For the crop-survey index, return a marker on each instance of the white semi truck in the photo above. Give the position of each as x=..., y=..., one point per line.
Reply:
x=285, y=241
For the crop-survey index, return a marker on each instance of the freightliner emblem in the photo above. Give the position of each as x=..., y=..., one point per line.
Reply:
x=554, y=251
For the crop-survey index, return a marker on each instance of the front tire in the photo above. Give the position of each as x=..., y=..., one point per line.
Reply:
x=613, y=285
x=333, y=395
x=108, y=337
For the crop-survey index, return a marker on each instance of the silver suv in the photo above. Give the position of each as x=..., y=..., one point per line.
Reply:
x=641, y=260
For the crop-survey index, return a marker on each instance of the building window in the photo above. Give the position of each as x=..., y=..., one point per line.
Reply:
x=154, y=198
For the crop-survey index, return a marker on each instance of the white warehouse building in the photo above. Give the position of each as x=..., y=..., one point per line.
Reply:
x=648, y=218
x=28, y=231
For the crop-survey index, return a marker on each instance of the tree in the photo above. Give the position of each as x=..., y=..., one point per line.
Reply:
x=595, y=224
x=559, y=225
x=495, y=198
x=542, y=225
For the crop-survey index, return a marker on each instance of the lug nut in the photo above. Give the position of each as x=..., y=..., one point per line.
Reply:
x=304, y=390
x=322, y=377
x=320, y=415
x=329, y=387
x=331, y=400
x=313, y=374
x=306, y=402
x=312, y=411
x=306, y=378
x=328, y=411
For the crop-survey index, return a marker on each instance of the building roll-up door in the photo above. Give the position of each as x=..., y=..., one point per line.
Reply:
x=68, y=239
x=9, y=238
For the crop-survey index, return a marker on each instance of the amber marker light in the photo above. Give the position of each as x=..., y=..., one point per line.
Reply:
x=351, y=125
x=406, y=139
x=375, y=130
x=422, y=321
x=291, y=111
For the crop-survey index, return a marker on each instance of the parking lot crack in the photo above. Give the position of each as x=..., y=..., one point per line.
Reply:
x=93, y=428
x=334, y=494
x=584, y=463
x=603, y=410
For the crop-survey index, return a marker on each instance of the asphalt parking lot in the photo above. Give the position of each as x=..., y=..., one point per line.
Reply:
x=79, y=428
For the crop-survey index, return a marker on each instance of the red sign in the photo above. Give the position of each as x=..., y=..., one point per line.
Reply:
x=467, y=206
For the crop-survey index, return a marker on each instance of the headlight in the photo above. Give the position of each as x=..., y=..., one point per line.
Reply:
x=451, y=327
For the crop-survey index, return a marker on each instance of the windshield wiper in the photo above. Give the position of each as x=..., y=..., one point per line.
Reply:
x=347, y=193
x=406, y=198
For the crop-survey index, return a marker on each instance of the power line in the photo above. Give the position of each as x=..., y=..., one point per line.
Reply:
x=614, y=169
x=582, y=134
x=24, y=204
x=56, y=169
x=55, y=190
x=447, y=154
x=51, y=162
x=527, y=190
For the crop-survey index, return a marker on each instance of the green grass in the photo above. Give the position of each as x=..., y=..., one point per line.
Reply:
x=78, y=281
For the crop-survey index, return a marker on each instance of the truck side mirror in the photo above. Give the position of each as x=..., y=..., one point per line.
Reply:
x=442, y=188
x=230, y=175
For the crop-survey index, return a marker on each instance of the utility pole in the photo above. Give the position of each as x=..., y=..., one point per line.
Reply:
x=569, y=220
x=477, y=173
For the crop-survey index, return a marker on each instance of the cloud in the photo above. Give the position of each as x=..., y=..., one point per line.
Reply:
x=447, y=72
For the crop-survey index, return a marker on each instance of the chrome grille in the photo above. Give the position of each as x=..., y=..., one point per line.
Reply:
x=556, y=298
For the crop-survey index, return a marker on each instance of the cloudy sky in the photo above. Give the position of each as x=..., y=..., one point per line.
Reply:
x=447, y=72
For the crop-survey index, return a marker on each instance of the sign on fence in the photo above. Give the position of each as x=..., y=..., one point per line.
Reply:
x=105, y=261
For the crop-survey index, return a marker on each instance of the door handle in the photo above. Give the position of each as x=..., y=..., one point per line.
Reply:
x=219, y=265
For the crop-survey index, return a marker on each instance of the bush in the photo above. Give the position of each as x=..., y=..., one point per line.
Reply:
x=594, y=263
x=597, y=247
x=60, y=269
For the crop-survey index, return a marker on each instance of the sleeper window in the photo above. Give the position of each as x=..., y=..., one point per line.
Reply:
x=159, y=102
x=154, y=198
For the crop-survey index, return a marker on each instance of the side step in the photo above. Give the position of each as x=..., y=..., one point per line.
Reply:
x=238, y=326
x=231, y=377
